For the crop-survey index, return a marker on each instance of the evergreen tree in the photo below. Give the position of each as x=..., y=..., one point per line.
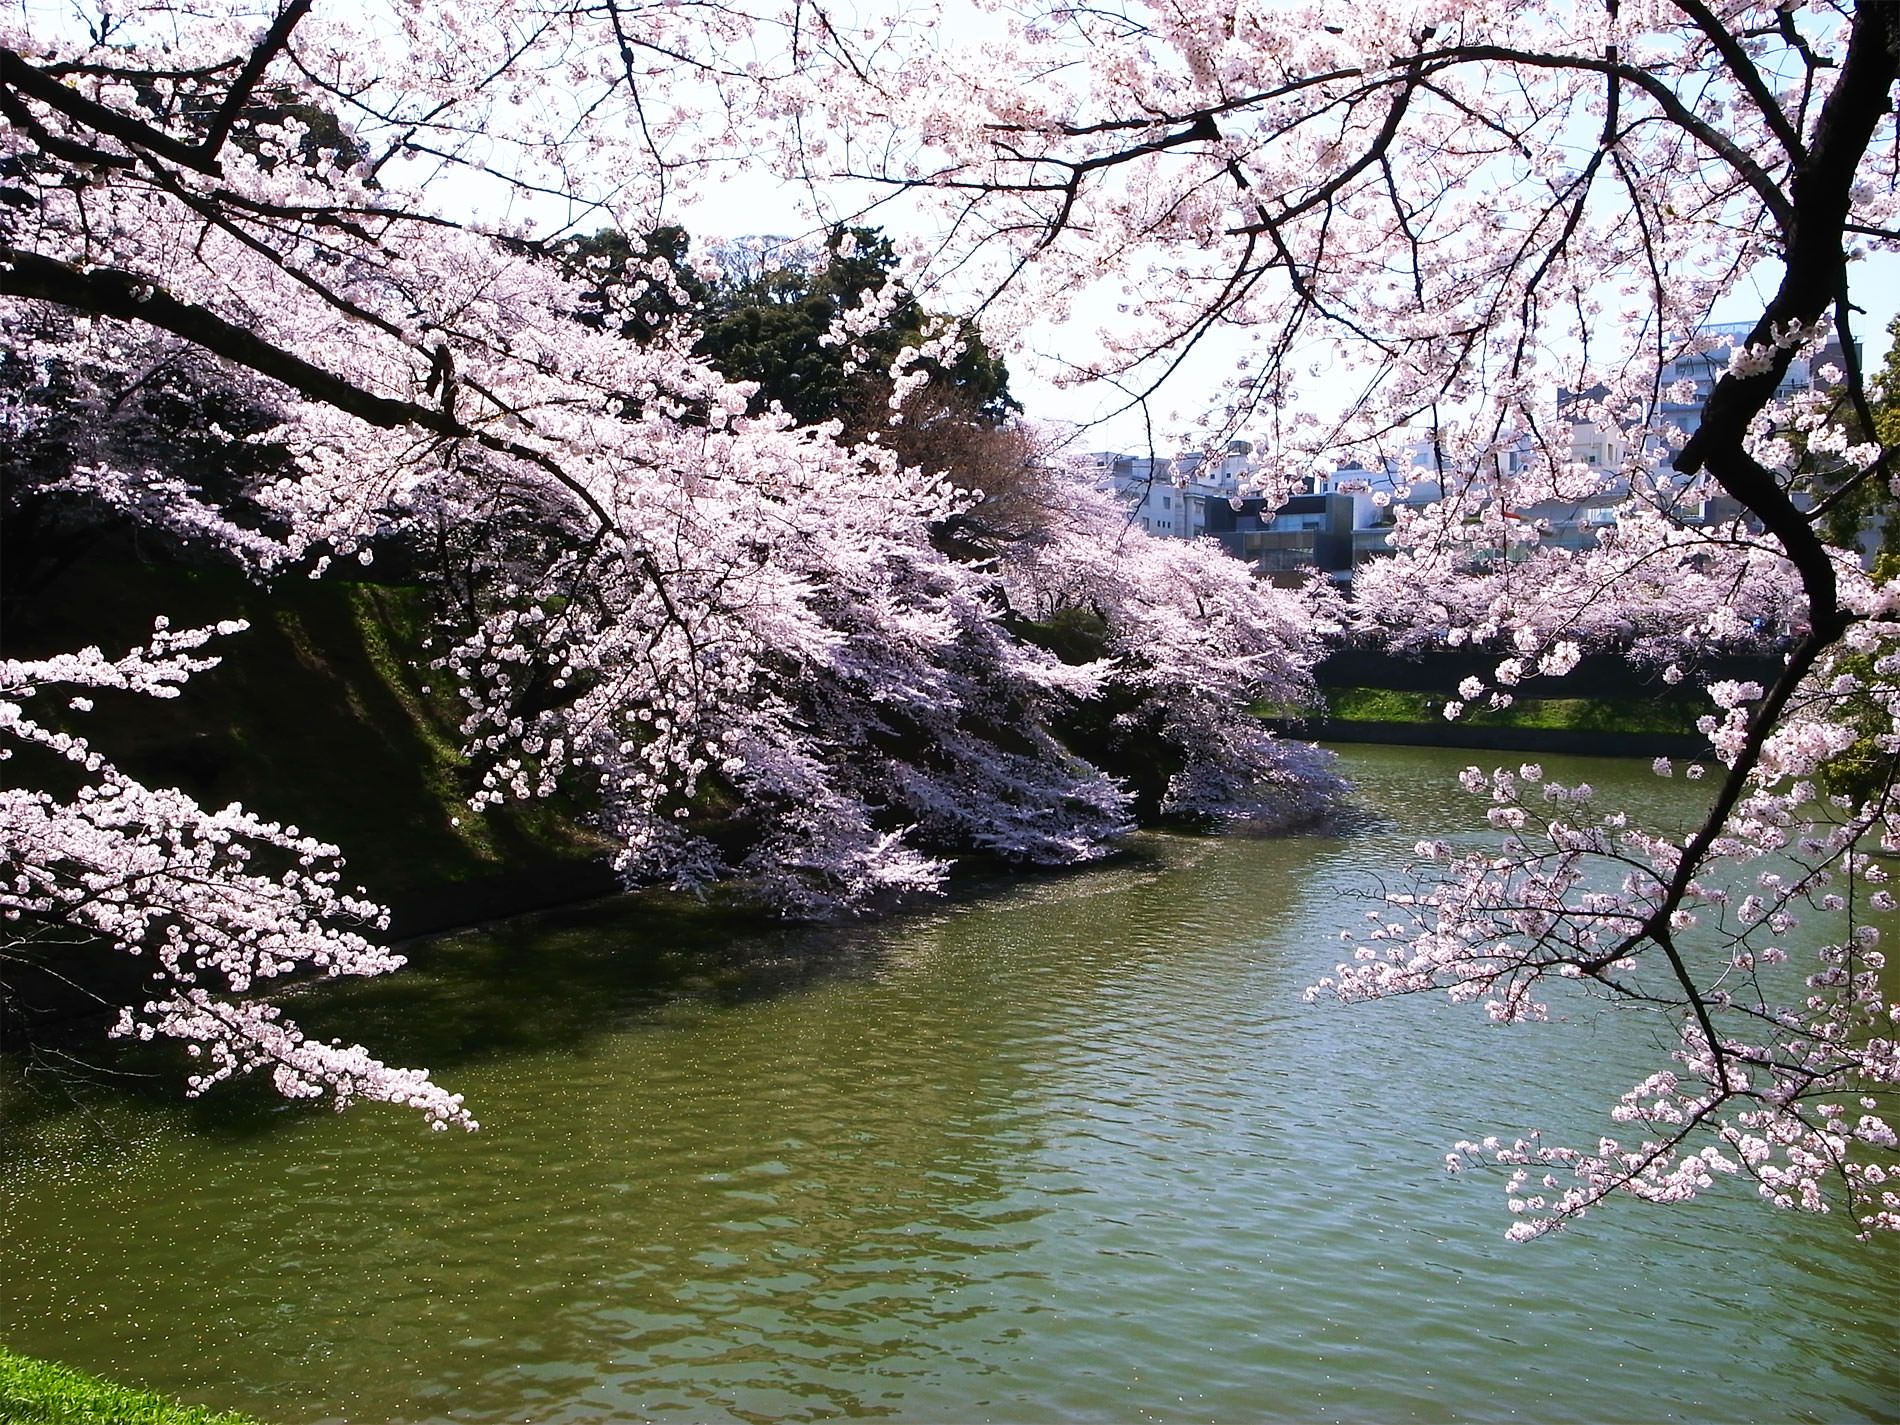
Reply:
x=775, y=320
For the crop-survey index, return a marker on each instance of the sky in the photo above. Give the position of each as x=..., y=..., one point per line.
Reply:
x=755, y=205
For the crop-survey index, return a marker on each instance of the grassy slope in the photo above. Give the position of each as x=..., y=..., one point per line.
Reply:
x=40, y=1393
x=316, y=716
x=1561, y=714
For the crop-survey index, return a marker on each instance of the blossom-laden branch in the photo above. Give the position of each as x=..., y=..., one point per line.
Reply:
x=1497, y=226
x=742, y=643
x=217, y=903
x=1461, y=212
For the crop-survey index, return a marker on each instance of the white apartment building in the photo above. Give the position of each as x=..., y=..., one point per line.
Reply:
x=1705, y=368
x=1168, y=497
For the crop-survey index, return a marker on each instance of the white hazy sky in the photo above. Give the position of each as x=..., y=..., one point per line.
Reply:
x=755, y=205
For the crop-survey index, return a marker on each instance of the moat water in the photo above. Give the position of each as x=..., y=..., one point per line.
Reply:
x=1064, y=1148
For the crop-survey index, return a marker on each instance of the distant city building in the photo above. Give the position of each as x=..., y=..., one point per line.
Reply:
x=1343, y=518
x=1190, y=497
x=1307, y=534
x=1168, y=497
x=1705, y=368
x=1594, y=445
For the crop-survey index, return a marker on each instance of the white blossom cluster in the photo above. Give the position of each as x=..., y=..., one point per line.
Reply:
x=218, y=903
x=788, y=642
x=1456, y=212
x=1194, y=641
x=1767, y=1062
x=739, y=641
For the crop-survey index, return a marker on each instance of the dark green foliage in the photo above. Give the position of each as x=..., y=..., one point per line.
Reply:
x=1116, y=731
x=763, y=321
x=637, y=291
x=768, y=329
x=323, y=714
x=1866, y=504
x=321, y=135
x=1862, y=771
x=199, y=101
x=1075, y=635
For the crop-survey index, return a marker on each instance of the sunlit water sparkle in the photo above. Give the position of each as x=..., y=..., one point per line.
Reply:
x=1061, y=1149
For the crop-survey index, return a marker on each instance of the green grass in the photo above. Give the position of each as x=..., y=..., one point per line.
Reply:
x=1557, y=714
x=41, y=1393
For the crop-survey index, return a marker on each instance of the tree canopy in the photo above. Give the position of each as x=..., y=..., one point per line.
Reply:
x=691, y=599
x=734, y=631
x=771, y=325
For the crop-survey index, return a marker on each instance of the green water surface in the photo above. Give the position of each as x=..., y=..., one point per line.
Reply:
x=1069, y=1148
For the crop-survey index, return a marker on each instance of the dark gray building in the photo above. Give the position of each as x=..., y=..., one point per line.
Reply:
x=1307, y=533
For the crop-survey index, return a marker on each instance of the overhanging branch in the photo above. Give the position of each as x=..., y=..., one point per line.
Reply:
x=107, y=292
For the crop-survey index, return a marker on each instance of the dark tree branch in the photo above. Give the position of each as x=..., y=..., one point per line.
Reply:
x=1735, y=56
x=266, y=49
x=109, y=293
x=17, y=75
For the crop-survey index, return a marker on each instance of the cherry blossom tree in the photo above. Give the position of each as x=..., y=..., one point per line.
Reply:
x=1456, y=208
x=216, y=903
x=1461, y=209
x=1664, y=592
x=1189, y=640
x=747, y=642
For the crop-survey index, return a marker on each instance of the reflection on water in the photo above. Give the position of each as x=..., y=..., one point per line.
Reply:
x=1069, y=1148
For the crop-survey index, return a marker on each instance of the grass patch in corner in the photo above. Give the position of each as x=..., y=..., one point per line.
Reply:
x=41, y=1393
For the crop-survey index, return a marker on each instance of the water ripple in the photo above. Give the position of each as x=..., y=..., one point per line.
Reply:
x=1068, y=1149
